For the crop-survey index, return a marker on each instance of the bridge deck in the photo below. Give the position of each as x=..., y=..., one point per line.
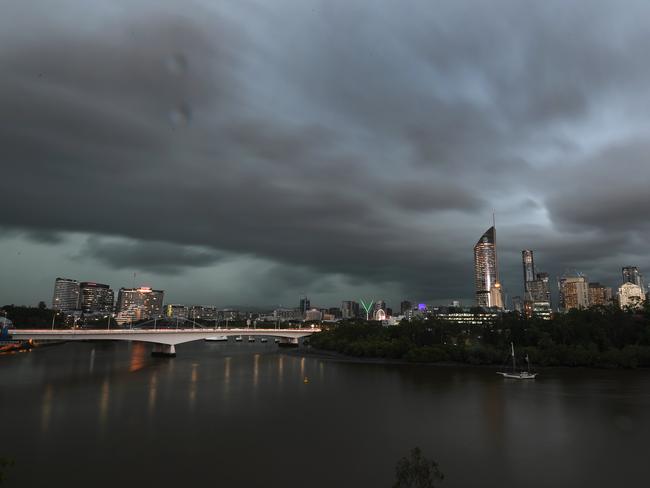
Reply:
x=158, y=336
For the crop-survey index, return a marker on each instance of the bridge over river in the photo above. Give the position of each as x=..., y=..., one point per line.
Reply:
x=164, y=340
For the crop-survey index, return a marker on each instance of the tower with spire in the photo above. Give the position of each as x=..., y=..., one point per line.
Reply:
x=486, y=270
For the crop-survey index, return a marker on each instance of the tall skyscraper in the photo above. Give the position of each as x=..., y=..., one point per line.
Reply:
x=631, y=274
x=138, y=304
x=539, y=290
x=574, y=292
x=486, y=273
x=305, y=305
x=529, y=267
x=66, y=295
x=95, y=297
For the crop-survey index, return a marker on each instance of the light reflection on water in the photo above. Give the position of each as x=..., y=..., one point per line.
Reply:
x=226, y=372
x=46, y=407
x=91, y=366
x=349, y=423
x=104, y=400
x=153, y=390
x=194, y=376
x=139, y=355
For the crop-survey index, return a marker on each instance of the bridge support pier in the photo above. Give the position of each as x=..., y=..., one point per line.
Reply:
x=288, y=342
x=163, y=351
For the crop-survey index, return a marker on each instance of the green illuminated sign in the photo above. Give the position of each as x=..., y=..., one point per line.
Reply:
x=366, y=308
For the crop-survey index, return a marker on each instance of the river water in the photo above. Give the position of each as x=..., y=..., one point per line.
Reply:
x=242, y=415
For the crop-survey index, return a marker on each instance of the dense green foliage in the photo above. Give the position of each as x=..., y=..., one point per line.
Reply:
x=416, y=471
x=37, y=317
x=4, y=464
x=599, y=336
x=41, y=318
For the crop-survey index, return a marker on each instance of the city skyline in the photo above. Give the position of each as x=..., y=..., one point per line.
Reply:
x=538, y=294
x=252, y=174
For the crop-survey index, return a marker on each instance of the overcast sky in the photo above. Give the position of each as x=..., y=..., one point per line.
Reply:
x=248, y=151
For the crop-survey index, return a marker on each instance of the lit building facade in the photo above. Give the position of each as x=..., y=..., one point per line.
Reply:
x=204, y=312
x=631, y=274
x=630, y=295
x=539, y=290
x=486, y=273
x=95, y=298
x=528, y=263
x=66, y=295
x=176, y=311
x=574, y=292
x=599, y=294
x=138, y=304
x=379, y=305
x=286, y=314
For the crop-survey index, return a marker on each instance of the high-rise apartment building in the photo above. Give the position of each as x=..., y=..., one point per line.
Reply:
x=486, y=274
x=630, y=295
x=66, y=295
x=539, y=290
x=631, y=274
x=305, y=304
x=349, y=309
x=574, y=292
x=599, y=294
x=138, y=303
x=95, y=297
x=405, y=307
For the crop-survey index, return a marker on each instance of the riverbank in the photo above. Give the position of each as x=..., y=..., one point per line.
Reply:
x=24, y=346
x=14, y=347
x=316, y=353
x=596, y=339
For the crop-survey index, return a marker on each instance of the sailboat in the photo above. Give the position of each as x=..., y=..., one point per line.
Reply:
x=521, y=375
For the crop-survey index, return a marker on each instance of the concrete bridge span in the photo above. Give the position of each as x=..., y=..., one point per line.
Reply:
x=164, y=340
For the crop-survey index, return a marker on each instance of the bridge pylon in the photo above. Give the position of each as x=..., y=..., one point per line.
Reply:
x=163, y=351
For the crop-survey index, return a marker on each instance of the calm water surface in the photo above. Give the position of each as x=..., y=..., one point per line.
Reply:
x=230, y=415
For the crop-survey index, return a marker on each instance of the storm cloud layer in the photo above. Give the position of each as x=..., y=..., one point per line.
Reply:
x=343, y=144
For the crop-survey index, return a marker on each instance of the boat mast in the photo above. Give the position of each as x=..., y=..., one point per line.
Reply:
x=512, y=348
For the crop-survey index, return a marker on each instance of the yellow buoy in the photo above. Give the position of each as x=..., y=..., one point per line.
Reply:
x=306, y=380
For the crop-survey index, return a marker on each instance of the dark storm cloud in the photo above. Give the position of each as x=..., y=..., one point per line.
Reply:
x=608, y=191
x=34, y=235
x=424, y=197
x=338, y=139
x=159, y=257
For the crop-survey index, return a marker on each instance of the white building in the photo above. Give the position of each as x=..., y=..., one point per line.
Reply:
x=630, y=295
x=313, y=314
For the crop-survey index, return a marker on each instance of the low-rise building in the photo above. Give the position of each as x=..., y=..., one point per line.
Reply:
x=574, y=292
x=599, y=294
x=630, y=295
